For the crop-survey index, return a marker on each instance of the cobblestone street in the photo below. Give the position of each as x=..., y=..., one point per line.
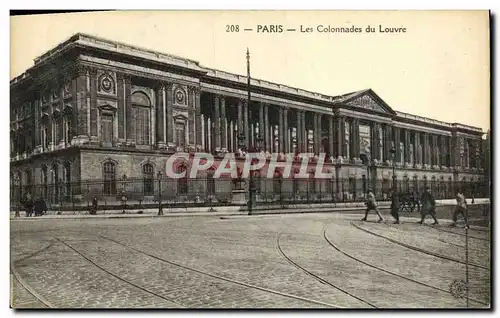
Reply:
x=273, y=261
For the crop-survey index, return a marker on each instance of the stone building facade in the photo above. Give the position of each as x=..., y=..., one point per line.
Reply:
x=95, y=109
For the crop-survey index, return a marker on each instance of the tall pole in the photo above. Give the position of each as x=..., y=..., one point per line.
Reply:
x=466, y=257
x=250, y=186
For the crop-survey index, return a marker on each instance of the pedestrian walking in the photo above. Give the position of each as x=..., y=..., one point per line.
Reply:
x=428, y=206
x=371, y=204
x=460, y=208
x=395, y=206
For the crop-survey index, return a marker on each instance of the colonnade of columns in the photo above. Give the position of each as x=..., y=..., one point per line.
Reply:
x=286, y=129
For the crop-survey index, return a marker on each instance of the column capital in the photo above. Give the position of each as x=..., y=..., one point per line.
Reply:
x=194, y=89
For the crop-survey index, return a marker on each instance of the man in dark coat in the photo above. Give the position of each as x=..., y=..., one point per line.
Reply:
x=28, y=205
x=40, y=207
x=395, y=206
x=428, y=206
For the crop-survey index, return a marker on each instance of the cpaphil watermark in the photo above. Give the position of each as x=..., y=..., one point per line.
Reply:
x=291, y=165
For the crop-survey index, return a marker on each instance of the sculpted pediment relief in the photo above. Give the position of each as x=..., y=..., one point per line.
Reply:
x=367, y=102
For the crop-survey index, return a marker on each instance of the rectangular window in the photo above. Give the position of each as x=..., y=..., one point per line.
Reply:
x=107, y=128
x=180, y=134
x=142, y=125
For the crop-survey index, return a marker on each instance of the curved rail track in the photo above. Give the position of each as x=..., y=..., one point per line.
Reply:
x=419, y=249
x=390, y=272
x=323, y=281
x=221, y=277
x=116, y=276
x=30, y=290
x=461, y=234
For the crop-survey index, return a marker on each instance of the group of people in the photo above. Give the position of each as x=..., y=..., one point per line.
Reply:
x=38, y=206
x=427, y=202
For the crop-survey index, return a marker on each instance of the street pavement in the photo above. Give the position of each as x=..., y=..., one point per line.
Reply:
x=314, y=260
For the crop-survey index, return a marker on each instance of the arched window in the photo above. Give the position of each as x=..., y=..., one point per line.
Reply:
x=109, y=176
x=148, y=179
x=141, y=106
x=210, y=182
x=182, y=183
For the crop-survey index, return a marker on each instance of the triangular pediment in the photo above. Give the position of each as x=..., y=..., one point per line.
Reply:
x=368, y=100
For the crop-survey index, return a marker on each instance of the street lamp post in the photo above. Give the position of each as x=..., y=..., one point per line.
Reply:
x=393, y=156
x=16, y=183
x=249, y=110
x=160, y=208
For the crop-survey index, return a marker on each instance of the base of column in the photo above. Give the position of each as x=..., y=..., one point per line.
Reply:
x=38, y=149
x=161, y=145
x=418, y=165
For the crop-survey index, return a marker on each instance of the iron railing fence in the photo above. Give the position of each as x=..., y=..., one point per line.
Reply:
x=147, y=192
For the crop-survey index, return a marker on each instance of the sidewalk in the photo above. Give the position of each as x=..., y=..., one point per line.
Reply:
x=227, y=210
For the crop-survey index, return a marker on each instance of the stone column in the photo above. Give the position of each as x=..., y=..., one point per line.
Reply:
x=286, y=148
x=356, y=138
x=299, y=130
x=261, y=125
x=216, y=119
x=437, y=159
x=397, y=144
x=331, y=140
x=387, y=130
x=467, y=153
x=415, y=148
x=281, y=136
x=442, y=151
x=319, y=134
x=120, y=115
x=373, y=141
x=477, y=154
x=352, y=139
x=449, y=151
x=170, y=118
x=224, y=126
x=198, y=118
x=425, y=150
x=407, y=146
x=341, y=152
x=160, y=115
x=93, y=104
x=265, y=128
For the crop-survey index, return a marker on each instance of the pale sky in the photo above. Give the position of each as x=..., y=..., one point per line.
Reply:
x=439, y=68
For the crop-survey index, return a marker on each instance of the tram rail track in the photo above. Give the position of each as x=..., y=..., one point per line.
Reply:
x=419, y=249
x=320, y=279
x=221, y=277
x=391, y=272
